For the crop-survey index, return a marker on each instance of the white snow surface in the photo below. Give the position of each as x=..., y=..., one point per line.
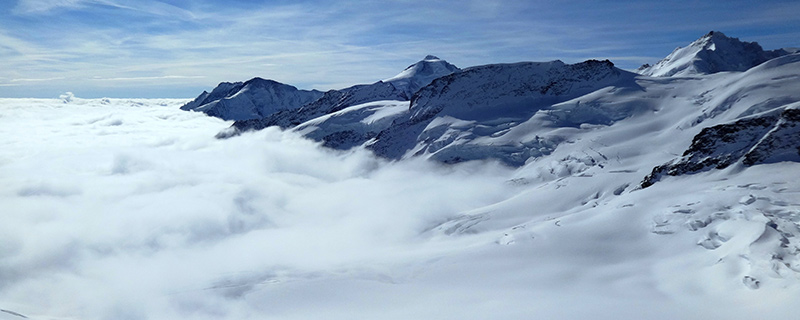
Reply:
x=130, y=209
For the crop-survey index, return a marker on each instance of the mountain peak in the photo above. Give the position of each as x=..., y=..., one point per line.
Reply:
x=421, y=74
x=713, y=52
x=715, y=35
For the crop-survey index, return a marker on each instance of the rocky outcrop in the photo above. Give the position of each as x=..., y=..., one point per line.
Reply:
x=767, y=138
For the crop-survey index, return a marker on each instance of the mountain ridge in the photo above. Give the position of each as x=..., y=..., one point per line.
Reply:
x=516, y=112
x=251, y=99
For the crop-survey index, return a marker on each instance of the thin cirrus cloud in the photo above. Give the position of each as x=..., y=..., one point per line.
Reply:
x=147, y=78
x=322, y=45
x=37, y=7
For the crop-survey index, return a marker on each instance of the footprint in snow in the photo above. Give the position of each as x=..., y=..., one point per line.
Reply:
x=697, y=224
x=751, y=282
x=747, y=200
x=712, y=241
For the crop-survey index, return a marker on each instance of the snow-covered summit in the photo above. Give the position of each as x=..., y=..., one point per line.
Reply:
x=712, y=53
x=421, y=74
x=252, y=99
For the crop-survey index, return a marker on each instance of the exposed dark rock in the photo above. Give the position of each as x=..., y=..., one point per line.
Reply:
x=768, y=138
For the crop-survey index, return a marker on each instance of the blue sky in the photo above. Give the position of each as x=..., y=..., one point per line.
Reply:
x=178, y=48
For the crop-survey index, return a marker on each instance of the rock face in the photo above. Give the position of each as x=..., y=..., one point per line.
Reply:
x=253, y=99
x=712, y=53
x=767, y=138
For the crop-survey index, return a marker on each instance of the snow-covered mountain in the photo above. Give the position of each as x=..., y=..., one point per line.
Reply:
x=714, y=52
x=461, y=117
x=331, y=101
x=421, y=74
x=400, y=87
x=252, y=99
x=520, y=112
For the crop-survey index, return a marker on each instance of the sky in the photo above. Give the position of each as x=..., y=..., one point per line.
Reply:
x=178, y=48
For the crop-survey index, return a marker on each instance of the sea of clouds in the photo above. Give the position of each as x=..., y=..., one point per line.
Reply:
x=130, y=208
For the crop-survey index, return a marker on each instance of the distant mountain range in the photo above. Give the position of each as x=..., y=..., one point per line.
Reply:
x=520, y=112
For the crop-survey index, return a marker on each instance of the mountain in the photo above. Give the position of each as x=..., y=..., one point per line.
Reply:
x=253, y=99
x=712, y=53
x=421, y=74
x=448, y=117
x=331, y=101
x=524, y=112
x=399, y=88
x=520, y=112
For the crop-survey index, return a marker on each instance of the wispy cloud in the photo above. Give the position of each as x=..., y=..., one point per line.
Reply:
x=146, y=78
x=331, y=45
x=38, y=7
x=46, y=6
x=36, y=79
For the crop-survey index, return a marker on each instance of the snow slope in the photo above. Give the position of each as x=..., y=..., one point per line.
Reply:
x=253, y=99
x=354, y=125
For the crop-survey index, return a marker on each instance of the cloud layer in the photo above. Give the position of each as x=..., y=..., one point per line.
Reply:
x=119, y=209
